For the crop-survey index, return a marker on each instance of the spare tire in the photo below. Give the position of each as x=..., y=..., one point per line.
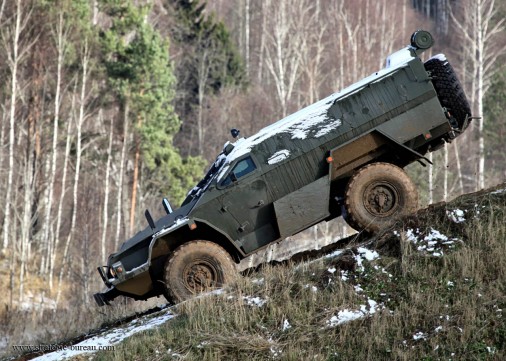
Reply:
x=449, y=90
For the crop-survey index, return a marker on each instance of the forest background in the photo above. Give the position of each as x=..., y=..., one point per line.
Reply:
x=106, y=106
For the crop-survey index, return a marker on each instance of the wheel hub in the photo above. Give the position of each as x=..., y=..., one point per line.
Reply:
x=199, y=276
x=380, y=199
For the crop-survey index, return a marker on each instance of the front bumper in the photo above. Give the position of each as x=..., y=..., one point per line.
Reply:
x=135, y=283
x=103, y=298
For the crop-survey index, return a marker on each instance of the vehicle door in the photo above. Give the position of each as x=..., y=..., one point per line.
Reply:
x=246, y=202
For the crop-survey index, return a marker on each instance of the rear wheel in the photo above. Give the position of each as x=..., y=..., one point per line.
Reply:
x=378, y=194
x=196, y=267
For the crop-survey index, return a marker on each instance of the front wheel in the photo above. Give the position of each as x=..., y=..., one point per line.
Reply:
x=378, y=194
x=196, y=267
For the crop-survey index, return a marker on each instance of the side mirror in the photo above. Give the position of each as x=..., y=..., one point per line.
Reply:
x=166, y=206
x=228, y=148
x=233, y=177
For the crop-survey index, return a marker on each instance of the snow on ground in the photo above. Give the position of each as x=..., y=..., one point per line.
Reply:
x=456, y=215
x=254, y=301
x=365, y=310
x=499, y=191
x=347, y=315
x=286, y=325
x=432, y=243
x=108, y=338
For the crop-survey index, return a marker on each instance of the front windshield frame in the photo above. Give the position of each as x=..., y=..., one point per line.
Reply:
x=208, y=179
x=232, y=166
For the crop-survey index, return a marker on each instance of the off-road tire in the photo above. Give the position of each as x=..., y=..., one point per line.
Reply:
x=449, y=90
x=196, y=267
x=377, y=195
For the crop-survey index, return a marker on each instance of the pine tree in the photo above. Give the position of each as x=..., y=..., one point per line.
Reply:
x=136, y=60
x=209, y=62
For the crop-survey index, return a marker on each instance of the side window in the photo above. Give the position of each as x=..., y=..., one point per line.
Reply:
x=242, y=168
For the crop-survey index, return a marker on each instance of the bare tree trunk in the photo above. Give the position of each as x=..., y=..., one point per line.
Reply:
x=95, y=12
x=2, y=8
x=404, y=5
x=264, y=8
x=480, y=28
x=60, y=48
x=105, y=214
x=14, y=58
x=135, y=184
x=445, y=174
x=431, y=180
x=56, y=236
x=121, y=171
x=283, y=57
x=459, y=167
x=246, y=35
x=480, y=60
x=80, y=121
x=26, y=222
x=203, y=75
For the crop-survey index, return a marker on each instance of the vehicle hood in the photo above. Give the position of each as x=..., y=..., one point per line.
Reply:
x=164, y=222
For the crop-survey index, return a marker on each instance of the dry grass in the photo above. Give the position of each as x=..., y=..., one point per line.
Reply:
x=432, y=307
x=447, y=307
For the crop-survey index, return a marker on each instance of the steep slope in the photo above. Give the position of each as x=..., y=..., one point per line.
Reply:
x=431, y=287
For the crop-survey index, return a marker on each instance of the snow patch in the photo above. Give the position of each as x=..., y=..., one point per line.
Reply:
x=109, y=338
x=499, y=191
x=315, y=118
x=365, y=254
x=433, y=243
x=399, y=57
x=419, y=336
x=440, y=57
x=347, y=315
x=254, y=301
x=328, y=128
x=456, y=215
x=278, y=156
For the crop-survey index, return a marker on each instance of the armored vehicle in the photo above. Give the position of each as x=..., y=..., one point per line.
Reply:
x=342, y=156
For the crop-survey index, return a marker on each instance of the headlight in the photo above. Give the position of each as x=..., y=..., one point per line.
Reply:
x=116, y=269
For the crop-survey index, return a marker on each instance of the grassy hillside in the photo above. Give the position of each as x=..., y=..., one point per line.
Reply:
x=430, y=288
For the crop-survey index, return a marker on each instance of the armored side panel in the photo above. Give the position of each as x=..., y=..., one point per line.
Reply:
x=308, y=205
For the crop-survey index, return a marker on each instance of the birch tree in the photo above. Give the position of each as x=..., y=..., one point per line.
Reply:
x=480, y=30
x=60, y=36
x=16, y=51
x=85, y=62
x=285, y=37
x=105, y=214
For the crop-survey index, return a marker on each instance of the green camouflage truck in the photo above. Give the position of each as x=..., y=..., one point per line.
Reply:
x=342, y=156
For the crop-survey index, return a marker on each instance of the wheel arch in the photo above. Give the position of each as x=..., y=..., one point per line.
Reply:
x=354, y=204
x=163, y=246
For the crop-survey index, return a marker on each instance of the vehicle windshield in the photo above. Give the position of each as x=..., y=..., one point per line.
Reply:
x=241, y=169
